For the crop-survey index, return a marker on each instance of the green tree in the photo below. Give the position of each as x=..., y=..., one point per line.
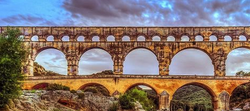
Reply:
x=12, y=57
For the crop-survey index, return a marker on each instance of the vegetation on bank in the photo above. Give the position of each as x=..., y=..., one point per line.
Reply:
x=240, y=96
x=12, y=59
x=192, y=97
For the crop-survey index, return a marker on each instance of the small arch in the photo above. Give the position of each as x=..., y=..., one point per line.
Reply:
x=111, y=38
x=141, y=38
x=95, y=38
x=40, y=86
x=50, y=38
x=125, y=38
x=34, y=38
x=170, y=38
x=156, y=38
x=212, y=38
x=65, y=38
x=21, y=37
x=242, y=38
x=198, y=38
x=81, y=38
x=185, y=38
x=227, y=38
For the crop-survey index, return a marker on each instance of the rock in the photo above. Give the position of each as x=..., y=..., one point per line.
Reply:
x=138, y=106
x=246, y=107
x=11, y=104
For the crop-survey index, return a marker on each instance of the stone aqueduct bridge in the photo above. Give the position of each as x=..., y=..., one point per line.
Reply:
x=219, y=86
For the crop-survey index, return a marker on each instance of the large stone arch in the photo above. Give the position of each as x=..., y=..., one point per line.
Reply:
x=45, y=48
x=93, y=84
x=205, y=51
x=141, y=83
x=205, y=87
x=40, y=85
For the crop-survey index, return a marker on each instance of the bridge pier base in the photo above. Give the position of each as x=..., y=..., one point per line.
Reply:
x=164, y=101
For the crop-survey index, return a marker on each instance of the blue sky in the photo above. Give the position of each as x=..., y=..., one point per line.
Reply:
x=129, y=13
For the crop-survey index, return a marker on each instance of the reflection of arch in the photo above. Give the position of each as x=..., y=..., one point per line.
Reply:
x=205, y=87
x=93, y=84
x=143, y=84
x=40, y=86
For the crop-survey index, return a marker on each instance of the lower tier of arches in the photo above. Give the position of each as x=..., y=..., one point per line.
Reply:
x=165, y=87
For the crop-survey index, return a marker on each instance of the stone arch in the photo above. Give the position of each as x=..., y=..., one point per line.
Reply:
x=171, y=38
x=227, y=38
x=40, y=86
x=196, y=48
x=185, y=38
x=130, y=50
x=231, y=92
x=110, y=38
x=242, y=38
x=80, y=38
x=91, y=48
x=232, y=50
x=156, y=38
x=199, y=38
x=50, y=38
x=34, y=38
x=65, y=38
x=205, y=87
x=94, y=84
x=144, y=84
x=126, y=38
x=141, y=38
x=96, y=39
x=213, y=38
x=45, y=48
x=151, y=61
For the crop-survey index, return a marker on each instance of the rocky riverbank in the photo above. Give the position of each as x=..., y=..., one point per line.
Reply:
x=41, y=100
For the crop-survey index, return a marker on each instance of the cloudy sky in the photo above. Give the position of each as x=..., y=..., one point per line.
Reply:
x=132, y=13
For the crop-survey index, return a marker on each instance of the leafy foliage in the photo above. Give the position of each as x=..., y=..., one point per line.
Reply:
x=97, y=89
x=240, y=96
x=126, y=100
x=242, y=73
x=114, y=107
x=12, y=57
x=192, y=97
x=57, y=87
x=40, y=71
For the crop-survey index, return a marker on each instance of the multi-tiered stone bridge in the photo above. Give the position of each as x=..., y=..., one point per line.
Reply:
x=164, y=42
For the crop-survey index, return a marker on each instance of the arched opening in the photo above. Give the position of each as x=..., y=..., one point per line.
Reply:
x=151, y=94
x=141, y=61
x=34, y=38
x=240, y=97
x=242, y=38
x=95, y=60
x=141, y=38
x=184, y=38
x=50, y=38
x=198, y=38
x=170, y=38
x=156, y=38
x=111, y=38
x=238, y=60
x=65, y=38
x=40, y=86
x=96, y=39
x=50, y=62
x=95, y=88
x=201, y=63
x=212, y=38
x=125, y=38
x=21, y=37
x=81, y=38
x=193, y=97
x=227, y=38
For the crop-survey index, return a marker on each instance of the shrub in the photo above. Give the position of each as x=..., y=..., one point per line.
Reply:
x=73, y=91
x=57, y=87
x=12, y=59
x=80, y=95
x=126, y=101
x=114, y=107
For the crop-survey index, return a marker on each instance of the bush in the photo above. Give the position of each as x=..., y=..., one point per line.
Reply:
x=12, y=59
x=73, y=91
x=80, y=95
x=126, y=101
x=114, y=107
x=57, y=87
